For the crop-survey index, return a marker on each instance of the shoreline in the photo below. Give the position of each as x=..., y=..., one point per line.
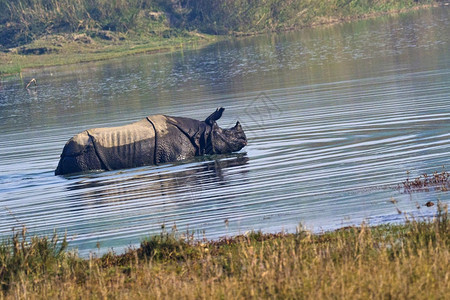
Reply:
x=69, y=49
x=13, y=64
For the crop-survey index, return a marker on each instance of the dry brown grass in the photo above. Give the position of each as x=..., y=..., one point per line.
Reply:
x=408, y=261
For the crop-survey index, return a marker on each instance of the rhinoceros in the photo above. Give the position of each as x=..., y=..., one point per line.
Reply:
x=153, y=140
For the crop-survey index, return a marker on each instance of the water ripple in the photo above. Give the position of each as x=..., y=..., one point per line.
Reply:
x=335, y=118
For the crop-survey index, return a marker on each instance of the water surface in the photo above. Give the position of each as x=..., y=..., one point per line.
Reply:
x=336, y=119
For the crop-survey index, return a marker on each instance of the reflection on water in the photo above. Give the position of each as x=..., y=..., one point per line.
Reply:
x=99, y=187
x=335, y=117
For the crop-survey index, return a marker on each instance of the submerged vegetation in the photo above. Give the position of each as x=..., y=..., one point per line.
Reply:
x=409, y=261
x=71, y=31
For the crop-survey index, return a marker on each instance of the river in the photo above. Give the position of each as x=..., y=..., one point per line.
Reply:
x=336, y=118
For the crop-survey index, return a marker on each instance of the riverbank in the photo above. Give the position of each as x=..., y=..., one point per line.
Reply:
x=409, y=261
x=75, y=35
x=64, y=49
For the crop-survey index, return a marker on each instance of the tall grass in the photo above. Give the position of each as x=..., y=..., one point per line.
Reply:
x=226, y=16
x=409, y=261
x=37, y=257
x=25, y=20
x=74, y=14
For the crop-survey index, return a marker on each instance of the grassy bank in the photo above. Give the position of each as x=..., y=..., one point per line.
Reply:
x=408, y=261
x=36, y=33
x=63, y=49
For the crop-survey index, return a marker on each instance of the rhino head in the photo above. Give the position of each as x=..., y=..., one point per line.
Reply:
x=224, y=140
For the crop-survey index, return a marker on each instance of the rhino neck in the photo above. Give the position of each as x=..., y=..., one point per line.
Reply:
x=198, y=132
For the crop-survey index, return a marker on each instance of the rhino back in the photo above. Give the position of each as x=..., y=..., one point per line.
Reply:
x=126, y=146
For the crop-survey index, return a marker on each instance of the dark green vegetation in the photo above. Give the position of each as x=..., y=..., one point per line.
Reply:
x=409, y=261
x=82, y=30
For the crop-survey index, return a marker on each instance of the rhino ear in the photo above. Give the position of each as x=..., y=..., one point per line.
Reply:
x=214, y=116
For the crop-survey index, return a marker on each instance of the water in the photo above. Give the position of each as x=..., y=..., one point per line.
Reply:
x=335, y=118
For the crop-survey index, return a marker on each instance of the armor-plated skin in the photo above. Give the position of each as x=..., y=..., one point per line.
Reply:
x=153, y=140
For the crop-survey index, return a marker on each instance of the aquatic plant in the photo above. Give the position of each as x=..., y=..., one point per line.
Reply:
x=425, y=182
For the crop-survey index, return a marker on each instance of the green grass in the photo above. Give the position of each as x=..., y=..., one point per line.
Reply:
x=409, y=261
